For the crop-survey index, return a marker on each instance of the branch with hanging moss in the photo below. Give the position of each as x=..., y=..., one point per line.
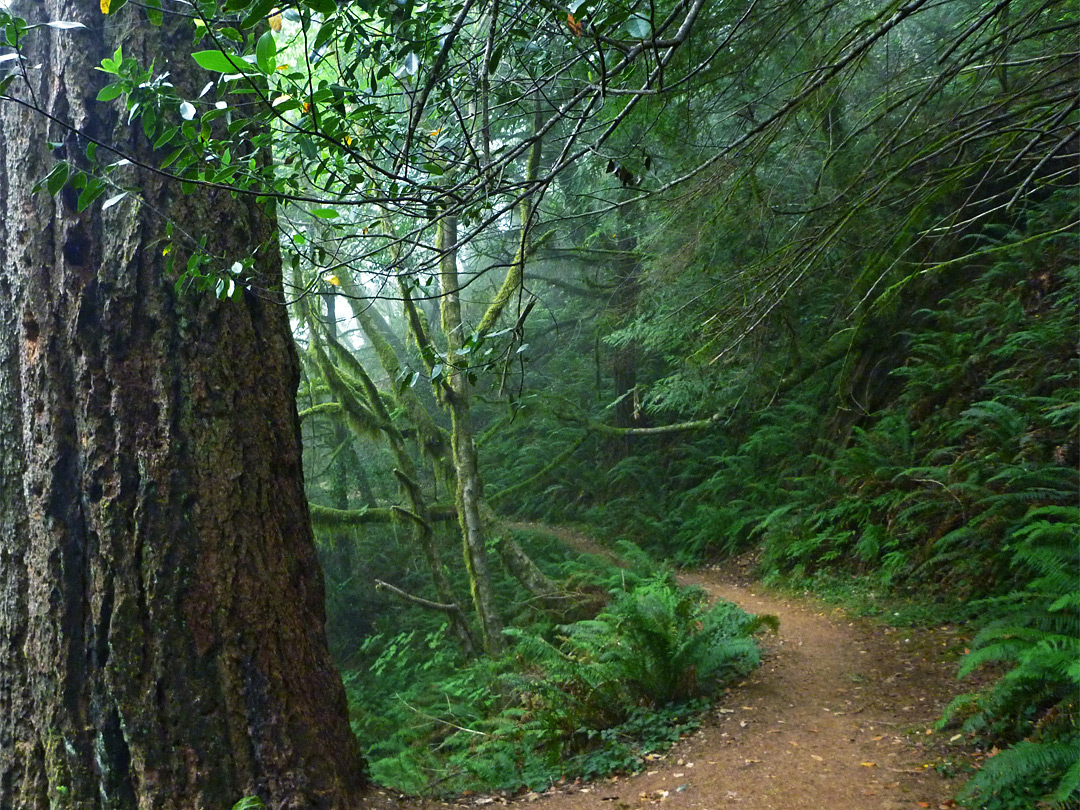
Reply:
x=680, y=427
x=555, y=462
x=412, y=488
x=422, y=524
x=323, y=407
x=433, y=439
x=593, y=426
x=326, y=517
x=358, y=413
x=515, y=275
x=419, y=332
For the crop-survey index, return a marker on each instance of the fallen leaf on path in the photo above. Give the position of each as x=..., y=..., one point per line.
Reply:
x=868, y=764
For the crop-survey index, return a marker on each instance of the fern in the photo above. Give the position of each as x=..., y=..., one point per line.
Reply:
x=655, y=645
x=1035, y=703
x=1026, y=765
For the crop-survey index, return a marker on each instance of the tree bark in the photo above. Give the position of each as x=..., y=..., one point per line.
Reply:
x=469, y=485
x=624, y=361
x=161, y=605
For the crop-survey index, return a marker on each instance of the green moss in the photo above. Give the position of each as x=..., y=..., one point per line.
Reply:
x=58, y=772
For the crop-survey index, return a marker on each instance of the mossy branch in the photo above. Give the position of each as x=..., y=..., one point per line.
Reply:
x=360, y=416
x=555, y=462
x=323, y=407
x=325, y=517
x=417, y=600
x=516, y=273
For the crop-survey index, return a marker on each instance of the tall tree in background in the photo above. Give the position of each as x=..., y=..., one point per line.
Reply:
x=161, y=606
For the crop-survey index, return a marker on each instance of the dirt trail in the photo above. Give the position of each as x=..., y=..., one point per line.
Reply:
x=834, y=719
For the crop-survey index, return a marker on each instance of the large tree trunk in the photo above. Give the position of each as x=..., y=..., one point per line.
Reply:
x=161, y=608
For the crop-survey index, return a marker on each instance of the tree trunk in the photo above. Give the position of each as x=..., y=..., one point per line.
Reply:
x=344, y=539
x=469, y=488
x=624, y=362
x=161, y=606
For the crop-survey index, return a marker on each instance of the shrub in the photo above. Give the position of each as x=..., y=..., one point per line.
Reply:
x=1036, y=704
x=655, y=646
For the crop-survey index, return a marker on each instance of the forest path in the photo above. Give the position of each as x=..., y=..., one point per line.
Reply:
x=835, y=719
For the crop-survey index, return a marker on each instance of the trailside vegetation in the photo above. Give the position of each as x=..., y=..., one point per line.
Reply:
x=795, y=277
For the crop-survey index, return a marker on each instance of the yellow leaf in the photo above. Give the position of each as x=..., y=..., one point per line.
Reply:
x=275, y=21
x=105, y=4
x=868, y=764
x=348, y=140
x=335, y=281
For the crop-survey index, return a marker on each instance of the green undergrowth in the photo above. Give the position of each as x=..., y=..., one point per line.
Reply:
x=920, y=466
x=864, y=596
x=582, y=699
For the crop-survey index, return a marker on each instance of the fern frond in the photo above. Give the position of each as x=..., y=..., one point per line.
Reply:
x=1051, y=761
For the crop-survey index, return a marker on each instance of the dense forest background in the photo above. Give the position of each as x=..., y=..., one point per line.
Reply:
x=845, y=338
x=796, y=279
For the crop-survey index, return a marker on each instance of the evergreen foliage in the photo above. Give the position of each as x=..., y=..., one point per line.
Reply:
x=581, y=699
x=961, y=484
x=1037, y=637
x=808, y=282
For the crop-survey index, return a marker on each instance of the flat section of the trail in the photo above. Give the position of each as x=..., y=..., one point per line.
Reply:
x=834, y=719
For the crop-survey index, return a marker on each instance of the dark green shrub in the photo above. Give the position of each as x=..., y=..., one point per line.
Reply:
x=654, y=646
x=1036, y=704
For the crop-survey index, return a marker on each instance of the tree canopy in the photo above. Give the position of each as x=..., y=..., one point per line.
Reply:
x=704, y=275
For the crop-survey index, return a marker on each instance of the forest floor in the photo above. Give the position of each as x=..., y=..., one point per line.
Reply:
x=838, y=717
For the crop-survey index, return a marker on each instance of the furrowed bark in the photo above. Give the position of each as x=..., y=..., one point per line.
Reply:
x=161, y=605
